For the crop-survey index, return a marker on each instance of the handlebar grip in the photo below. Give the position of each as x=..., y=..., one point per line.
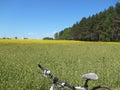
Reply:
x=41, y=67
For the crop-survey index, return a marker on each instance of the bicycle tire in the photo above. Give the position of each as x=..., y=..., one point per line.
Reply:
x=101, y=88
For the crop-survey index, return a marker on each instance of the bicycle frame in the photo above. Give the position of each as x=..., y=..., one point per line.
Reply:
x=54, y=87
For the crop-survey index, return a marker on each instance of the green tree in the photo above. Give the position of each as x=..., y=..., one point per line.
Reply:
x=66, y=34
x=56, y=36
x=103, y=26
x=47, y=38
x=117, y=8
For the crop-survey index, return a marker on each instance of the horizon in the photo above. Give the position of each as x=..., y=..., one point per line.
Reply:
x=34, y=19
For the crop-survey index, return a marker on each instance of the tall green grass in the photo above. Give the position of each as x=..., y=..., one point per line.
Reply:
x=19, y=71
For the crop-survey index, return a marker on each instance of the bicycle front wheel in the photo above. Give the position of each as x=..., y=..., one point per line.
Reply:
x=101, y=88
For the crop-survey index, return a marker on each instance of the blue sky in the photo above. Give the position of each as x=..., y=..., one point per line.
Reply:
x=36, y=19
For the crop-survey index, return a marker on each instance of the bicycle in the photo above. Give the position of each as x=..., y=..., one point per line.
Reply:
x=58, y=84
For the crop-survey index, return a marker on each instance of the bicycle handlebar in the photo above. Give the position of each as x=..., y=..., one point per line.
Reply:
x=55, y=80
x=41, y=67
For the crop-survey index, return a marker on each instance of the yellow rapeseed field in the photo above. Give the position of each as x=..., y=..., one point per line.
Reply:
x=37, y=41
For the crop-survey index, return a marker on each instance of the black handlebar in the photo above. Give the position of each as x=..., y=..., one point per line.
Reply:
x=41, y=67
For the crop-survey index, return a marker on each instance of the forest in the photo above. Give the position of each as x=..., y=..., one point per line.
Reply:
x=102, y=26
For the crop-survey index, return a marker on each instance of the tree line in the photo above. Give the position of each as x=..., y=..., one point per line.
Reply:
x=103, y=26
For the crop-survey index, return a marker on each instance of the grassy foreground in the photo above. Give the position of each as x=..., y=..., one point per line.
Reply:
x=67, y=60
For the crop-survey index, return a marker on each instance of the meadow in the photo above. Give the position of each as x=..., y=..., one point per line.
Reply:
x=68, y=60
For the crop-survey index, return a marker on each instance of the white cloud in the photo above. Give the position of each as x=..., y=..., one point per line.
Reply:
x=40, y=35
x=31, y=33
x=50, y=33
